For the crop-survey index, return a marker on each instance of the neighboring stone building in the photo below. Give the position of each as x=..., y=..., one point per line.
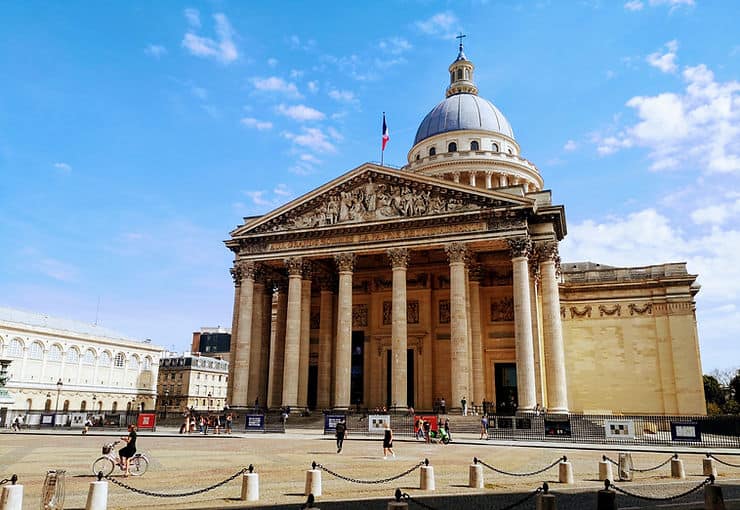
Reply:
x=443, y=280
x=191, y=380
x=213, y=342
x=73, y=366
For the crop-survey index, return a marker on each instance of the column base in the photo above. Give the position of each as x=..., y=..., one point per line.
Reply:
x=557, y=410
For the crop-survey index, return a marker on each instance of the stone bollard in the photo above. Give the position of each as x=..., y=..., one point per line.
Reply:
x=11, y=497
x=397, y=504
x=708, y=467
x=545, y=500
x=97, y=495
x=426, y=482
x=713, y=496
x=677, y=470
x=565, y=471
x=313, y=481
x=605, y=469
x=606, y=499
x=250, y=485
x=475, y=476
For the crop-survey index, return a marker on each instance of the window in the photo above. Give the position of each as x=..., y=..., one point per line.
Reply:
x=55, y=353
x=15, y=348
x=47, y=405
x=147, y=363
x=432, y=151
x=89, y=358
x=452, y=147
x=36, y=351
x=452, y=76
x=66, y=406
x=115, y=406
x=474, y=145
x=133, y=363
x=459, y=74
x=73, y=355
x=83, y=405
x=510, y=151
x=119, y=360
x=494, y=147
x=418, y=157
x=104, y=359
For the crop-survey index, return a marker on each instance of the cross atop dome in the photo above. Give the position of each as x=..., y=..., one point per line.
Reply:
x=461, y=54
x=461, y=73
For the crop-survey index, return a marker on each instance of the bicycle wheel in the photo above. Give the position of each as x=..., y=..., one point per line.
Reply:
x=103, y=464
x=138, y=464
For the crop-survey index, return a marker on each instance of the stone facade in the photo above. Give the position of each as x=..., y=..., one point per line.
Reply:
x=192, y=380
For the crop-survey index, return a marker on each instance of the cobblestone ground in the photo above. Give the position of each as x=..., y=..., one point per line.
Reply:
x=185, y=463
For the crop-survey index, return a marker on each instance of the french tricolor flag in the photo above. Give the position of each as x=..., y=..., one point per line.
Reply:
x=386, y=136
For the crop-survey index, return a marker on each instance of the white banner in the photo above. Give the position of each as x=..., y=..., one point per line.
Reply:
x=619, y=429
x=377, y=422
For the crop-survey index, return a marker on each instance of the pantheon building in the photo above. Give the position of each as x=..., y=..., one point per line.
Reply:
x=442, y=279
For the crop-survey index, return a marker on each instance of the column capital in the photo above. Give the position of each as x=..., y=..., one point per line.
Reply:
x=307, y=269
x=549, y=252
x=294, y=265
x=345, y=261
x=246, y=269
x=236, y=275
x=520, y=246
x=456, y=252
x=399, y=257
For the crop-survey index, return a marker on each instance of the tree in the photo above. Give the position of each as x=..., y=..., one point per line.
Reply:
x=713, y=392
x=735, y=387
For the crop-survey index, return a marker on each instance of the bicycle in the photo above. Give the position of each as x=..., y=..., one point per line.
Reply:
x=137, y=465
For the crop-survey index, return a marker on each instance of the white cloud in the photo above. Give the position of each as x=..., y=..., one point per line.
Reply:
x=666, y=62
x=673, y=4
x=282, y=190
x=260, y=125
x=310, y=158
x=56, y=269
x=313, y=86
x=155, y=50
x=275, y=84
x=258, y=198
x=336, y=135
x=272, y=62
x=222, y=50
x=344, y=96
x=300, y=112
x=570, y=146
x=440, y=24
x=634, y=5
x=718, y=213
x=313, y=139
x=699, y=127
x=64, y=167
x=193, y=17
x=394, y=45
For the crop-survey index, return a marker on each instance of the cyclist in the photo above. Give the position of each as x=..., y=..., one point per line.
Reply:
x=129, y=450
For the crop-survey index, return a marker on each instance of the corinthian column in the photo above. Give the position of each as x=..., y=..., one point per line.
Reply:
x=305, y=335
x=323, y=393
x=266, y=337
x=343, y=360
x=399, y=262
x=236, y=274
x=520, y=248
x=292, y=333
x=479, y=383
x=255, y=357
x=459, y=369
x=277, y=349
x=552, y=327
x=239, y=366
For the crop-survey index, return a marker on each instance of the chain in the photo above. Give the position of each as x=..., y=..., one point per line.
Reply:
x=12, y=480
x=180, y=495
x=524, y=499
x=407, y=497
x=384, y=480
x=723, y=462
x=709, y=479
x=642, y=470
x=522, y=474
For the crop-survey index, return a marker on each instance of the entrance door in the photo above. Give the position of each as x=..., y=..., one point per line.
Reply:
x=409, y=377
x=357, y=379
x=506, y=391
x=313, y=382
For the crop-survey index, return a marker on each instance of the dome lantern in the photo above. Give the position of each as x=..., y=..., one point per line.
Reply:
x=461, y=74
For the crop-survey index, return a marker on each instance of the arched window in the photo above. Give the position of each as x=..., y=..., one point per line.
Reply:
x=15, y=348
x=459, y=74
x=55, y=353
x=494, y=147
x=89, y=357
x=432, y=151
x=83, y=405
x=452, y=147
x=474, y=145
x=66, y=406
x=119, y=360
x=73, y=355
x=133, y=362
x=115, y=406
x=510, y=151
x=452, y=76
x=418, y=157
x=147, y=363
x=104, y=359
x=47, y=405
x=467, y=74
x=36, y=351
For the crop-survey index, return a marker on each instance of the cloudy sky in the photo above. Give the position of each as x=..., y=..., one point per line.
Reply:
x=135, y=135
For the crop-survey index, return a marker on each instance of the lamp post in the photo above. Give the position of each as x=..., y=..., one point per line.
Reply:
x=166, y=394
x=209, y=402
x=56, y=405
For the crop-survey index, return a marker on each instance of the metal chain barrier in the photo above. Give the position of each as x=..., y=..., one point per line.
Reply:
x=722, y=461
x=609, y=484
x=476, y=460
x=407, y=497
x=178, y=495
x=637, y=470
x=527, y=497
x=383, y=480
x=10, y=480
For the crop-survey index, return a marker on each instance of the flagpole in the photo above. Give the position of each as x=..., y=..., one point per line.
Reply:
x=382, y=152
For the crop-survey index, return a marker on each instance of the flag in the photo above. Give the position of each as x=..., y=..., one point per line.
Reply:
x=386, y=136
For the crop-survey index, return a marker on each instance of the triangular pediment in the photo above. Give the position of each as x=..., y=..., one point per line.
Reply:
x=372, y=193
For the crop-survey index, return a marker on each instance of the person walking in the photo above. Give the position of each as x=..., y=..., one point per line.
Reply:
x=341, y=433
x=388, y=441
x=16, y=427
x=464, y=404
x=229, y=419
x=447, y=428
x=484, y=427
x=427, y=431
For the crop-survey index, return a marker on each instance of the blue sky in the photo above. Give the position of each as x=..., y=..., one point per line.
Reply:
x=135, y=135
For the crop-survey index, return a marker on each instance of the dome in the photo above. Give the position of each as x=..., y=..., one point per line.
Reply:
x=463, y=111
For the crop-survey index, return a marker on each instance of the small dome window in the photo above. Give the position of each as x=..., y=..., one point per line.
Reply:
x=474, y=145
x=418, y=156
x=459, y=74
x=432, y=151
x=452, y=147
x=494, y=147
x=510, y=151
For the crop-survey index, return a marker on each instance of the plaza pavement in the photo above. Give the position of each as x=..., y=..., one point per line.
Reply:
x=184, y=463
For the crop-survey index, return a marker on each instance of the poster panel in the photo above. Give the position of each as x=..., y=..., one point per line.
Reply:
x=619, y=429
x=376, y=422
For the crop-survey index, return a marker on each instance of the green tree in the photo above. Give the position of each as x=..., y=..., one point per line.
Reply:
x=713, y=392
x=735, y=387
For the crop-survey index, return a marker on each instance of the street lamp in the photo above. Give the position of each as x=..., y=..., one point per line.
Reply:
x=166, y=394
x=95, y=397
x=209, y=402
x=59, y=390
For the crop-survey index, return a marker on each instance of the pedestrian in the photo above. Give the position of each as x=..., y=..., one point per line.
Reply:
x=388, y=441
x=87, y=425
x=427, y=431
x=484, y=427
x=341, y=433
x=229, y=419
x=16, y=427
x=443, y=406
x=447, y=428
x=420, y=428
x=464, y=404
